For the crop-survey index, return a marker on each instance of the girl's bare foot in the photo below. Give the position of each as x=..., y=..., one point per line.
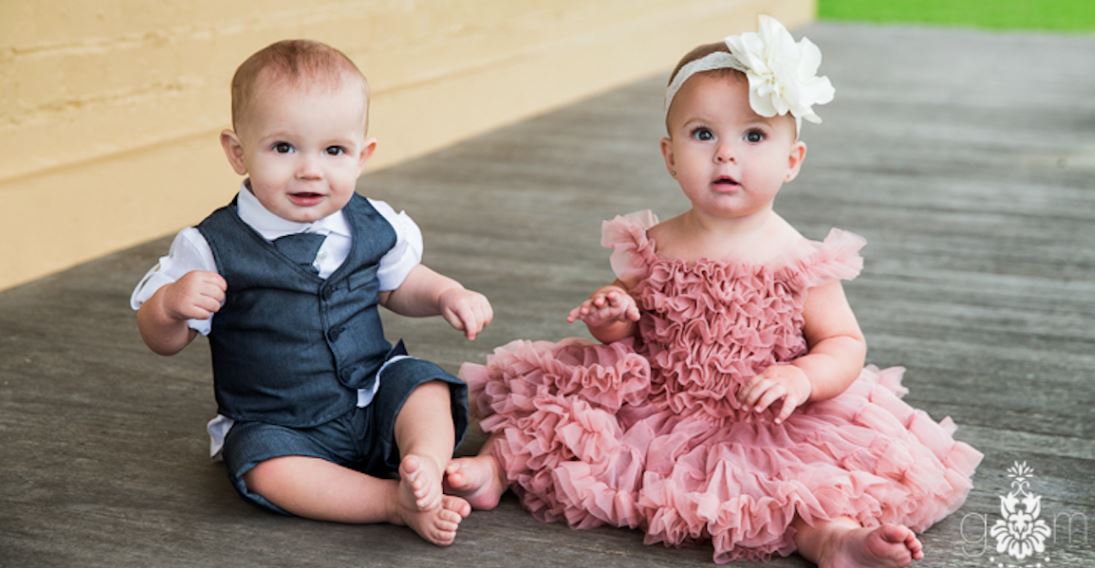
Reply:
x=477, y=479
x=889, y=546
x=419, y=483
x=437, y=526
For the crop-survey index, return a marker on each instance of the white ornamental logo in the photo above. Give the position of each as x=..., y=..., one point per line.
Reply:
x=1020, y=533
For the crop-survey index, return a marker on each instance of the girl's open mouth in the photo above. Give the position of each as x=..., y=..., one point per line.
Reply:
x=725, y=183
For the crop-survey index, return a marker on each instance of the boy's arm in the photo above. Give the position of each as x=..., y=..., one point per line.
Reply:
x=419, y=294
x=162, y=319
x=161, y=333
x=426, y=293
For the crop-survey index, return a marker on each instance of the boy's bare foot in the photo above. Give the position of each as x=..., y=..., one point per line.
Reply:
x=477, y=479
x=885, y=546
x=437, y=526
x=419, y=483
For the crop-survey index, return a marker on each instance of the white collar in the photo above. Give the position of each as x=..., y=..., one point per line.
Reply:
x=270, y=226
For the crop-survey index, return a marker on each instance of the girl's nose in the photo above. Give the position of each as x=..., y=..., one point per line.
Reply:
x=724, y=153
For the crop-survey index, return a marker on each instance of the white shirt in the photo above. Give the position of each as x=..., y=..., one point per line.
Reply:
x=189, y=251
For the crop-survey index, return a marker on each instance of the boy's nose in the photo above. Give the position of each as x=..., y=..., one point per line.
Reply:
x=308, y=168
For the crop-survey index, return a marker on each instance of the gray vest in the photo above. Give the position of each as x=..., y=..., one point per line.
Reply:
x=289, y=347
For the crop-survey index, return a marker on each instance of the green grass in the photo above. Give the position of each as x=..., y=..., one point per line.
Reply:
x=1053, y=15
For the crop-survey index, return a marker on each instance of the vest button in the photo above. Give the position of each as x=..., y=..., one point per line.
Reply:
x=328, y=292
x=333, y=333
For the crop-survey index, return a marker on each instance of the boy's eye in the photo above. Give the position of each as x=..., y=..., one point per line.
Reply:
x=283, y=147
x=754, y=136
x=703, y=134
x=335, y=150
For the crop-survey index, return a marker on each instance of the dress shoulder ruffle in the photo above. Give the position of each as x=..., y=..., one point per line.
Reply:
x=836, y=257
x=631, y=248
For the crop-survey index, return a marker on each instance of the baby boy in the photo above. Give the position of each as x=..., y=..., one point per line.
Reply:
x=318, y=415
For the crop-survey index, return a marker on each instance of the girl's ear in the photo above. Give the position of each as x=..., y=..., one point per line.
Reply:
x=366, y=153
x=233, y=150
x=794, y=160
x=667, y=154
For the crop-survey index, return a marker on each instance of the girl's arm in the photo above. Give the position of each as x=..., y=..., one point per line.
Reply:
x=610, y=313
x=837, y=348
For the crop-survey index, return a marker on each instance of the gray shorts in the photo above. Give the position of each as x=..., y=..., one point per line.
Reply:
x=362, y=439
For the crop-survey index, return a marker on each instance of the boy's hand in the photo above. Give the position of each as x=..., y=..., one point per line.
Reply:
x=786, y=382
x=606, y=305
x=197, y=295
x=465, y=310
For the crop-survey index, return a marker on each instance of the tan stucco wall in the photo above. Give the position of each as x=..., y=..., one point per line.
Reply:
x=110, y=110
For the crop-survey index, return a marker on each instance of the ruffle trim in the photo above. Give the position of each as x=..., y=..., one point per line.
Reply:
x=626, y=236
x=836, y=257
x=685, y=478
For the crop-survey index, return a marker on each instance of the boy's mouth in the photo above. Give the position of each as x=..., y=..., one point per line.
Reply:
x=305, y=198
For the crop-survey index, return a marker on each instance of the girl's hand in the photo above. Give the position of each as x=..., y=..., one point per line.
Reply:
x=465, y=310
x=197, y=295
x=609, y=304
x=778, y=382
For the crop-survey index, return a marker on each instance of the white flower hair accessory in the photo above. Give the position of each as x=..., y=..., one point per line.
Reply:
x=782, y=74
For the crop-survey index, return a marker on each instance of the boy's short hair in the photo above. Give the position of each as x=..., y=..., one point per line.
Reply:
x=296, y=62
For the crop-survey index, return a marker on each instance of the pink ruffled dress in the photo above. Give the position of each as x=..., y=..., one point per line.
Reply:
x=646, y=433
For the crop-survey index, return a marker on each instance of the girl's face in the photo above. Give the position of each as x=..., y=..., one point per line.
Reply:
x=729, y=161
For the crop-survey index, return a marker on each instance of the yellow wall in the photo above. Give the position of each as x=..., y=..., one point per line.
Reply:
x=110, y=110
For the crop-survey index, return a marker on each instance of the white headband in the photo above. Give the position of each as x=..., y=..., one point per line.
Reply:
x=782, y=74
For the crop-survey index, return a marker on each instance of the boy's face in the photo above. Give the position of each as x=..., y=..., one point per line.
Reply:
x=728, y=160
x=303, y=148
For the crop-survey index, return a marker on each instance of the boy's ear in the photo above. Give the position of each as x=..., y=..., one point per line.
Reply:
x=366, y=153
x=667, y=154
x=233, y=150
x=794, y=160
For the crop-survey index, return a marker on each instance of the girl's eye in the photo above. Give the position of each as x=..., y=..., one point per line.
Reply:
x=703, y=134
x=754, y=136
x=283, y=147
x=335, y=150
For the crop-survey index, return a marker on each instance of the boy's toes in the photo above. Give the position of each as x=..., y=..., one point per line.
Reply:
x=409, y=466
x=438, y=526
x=456, y=505
x=420, y=483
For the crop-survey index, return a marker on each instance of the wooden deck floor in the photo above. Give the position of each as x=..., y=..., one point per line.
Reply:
x=966, y=158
